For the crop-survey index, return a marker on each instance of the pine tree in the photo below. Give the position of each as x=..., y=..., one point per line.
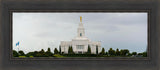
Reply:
x=70, y=50
x=117, y=52
x=59, y=49
x=134, y=53
x=89, y=50
x=55, y=51
x=124, y=52
x=103, y=51
x=15, y=53
x=144, y=54
x=96, y=49
x=21, y=53
x=111, y=52
x=48, y=52
x=41, y=53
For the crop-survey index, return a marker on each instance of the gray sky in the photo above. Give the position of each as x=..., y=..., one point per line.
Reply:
x=36, y=31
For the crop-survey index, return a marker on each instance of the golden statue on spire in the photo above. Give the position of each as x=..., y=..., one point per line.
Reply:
x=81, y=19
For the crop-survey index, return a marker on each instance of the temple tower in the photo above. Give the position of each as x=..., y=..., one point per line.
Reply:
x=80, y=30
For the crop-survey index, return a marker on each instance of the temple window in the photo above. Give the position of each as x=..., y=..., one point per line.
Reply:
x=80, y=34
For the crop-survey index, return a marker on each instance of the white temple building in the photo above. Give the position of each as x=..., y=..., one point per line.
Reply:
x=80, y=43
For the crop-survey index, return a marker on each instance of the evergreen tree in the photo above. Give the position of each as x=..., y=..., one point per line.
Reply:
x=134, y=53
x=35, y=54
x=117, y=52
x=103, y=51
x=55, y=51
x=144, y=54
x=107, y=53
x=70, y=50
x=21, y=53
x=48, y=52
x=96, y=49
x=59, y=49
x=41, y=53
x=30, y=54
x=15, y=53
x=89, y=50
x=124, y=52
x=111, y=52
x=129, y=54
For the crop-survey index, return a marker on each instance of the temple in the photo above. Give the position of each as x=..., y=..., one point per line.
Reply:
x=80, y=43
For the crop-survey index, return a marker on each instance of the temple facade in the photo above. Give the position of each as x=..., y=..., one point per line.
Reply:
x=80, y=43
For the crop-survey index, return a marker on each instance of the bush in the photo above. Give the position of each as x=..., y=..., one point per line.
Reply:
x=31, y=56
x=22, y=56
x=57, y=55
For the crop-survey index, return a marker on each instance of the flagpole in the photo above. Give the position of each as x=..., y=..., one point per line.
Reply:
x=18, y=48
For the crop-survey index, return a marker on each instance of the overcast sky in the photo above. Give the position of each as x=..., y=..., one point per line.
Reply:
x=36, y=31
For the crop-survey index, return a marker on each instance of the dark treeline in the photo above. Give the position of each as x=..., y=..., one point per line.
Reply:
x=40, y=53
x=110, y=53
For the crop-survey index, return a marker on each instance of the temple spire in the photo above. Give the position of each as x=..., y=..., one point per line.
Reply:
x=80, y=30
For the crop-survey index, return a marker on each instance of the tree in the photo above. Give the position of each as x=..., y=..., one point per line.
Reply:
x=48, y=52
x=103, y=51
x=30, y=54
x=140, y=53
x=35, y=53
x=107, y=53
x=117, y=52
x=89, y=50
x=96, y=49
x=55, y=51
x=124, y=52
x=41, y=53
x=144, y=54
x=111, y=52
x=134, y=53
x=15, y=53
x=59, y=49
x=70, y=50
x=129, y=54
x=21, y=53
